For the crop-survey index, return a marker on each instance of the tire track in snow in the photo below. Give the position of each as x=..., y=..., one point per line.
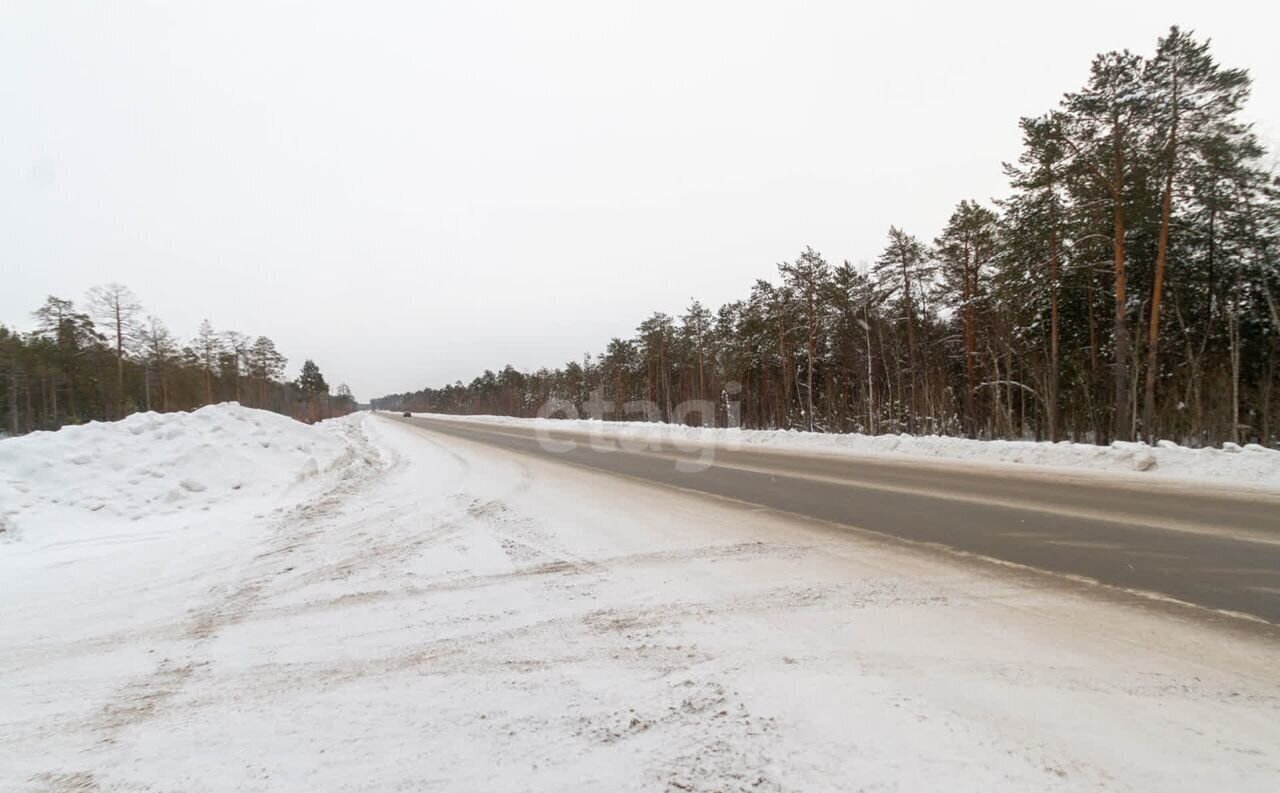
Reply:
x=144, y=697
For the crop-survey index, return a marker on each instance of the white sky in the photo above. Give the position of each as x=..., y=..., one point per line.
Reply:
x=412, y=192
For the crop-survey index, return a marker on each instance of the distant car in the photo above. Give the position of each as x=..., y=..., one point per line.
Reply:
x=408, y=415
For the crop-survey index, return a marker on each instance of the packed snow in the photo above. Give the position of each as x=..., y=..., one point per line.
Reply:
x=1250, y=466
x=81, y=478
x=379, y=608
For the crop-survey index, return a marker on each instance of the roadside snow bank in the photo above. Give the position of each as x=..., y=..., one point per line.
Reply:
x=155, y=464
x=1250, y=466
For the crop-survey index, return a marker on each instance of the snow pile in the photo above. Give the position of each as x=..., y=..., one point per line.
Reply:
x=1250, y=466
x=155, y=464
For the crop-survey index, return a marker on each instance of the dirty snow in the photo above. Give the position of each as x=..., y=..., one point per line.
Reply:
x=1249, y=466
x=429, y=614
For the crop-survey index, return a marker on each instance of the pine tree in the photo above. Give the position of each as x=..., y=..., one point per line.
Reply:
x=159, y=351
x=71, y=333
x=310, y=380
x=237, y=348
x=115, y=307
x=1033, y=239
x=1194, y=103
x=695, y=323
x=808, y=278
x=208, y=347
x=655, y=338
x=1102, y=126
x=265, y=364
x=313, y=387
x=903, y=272
x=965, y=251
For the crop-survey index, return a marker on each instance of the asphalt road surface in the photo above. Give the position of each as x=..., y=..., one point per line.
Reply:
x=1211, y=548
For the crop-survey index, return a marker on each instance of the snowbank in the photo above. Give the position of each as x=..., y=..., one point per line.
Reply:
x=1249, y=466
x=154, y=464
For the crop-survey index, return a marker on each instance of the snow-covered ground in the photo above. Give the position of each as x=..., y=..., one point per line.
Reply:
x=82, y=480
x=1249, y=466
x=411, y=612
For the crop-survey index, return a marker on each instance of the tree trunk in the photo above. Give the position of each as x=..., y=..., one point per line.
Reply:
x=1268, y=383
x=971, y=372
x=13, y=393
x=72, y=410
x=1233, y=332
x=1120, y=419
x=702, y=379
x=119, y=361
x=1157, y=292
x=871, y=384
x=31, y=413
x=911, y=346
x=1051, y=391
x=810, y=366
x=665, y=374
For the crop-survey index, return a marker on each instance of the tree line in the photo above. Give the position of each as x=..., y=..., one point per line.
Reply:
x=112, y=359
x=1125, y=287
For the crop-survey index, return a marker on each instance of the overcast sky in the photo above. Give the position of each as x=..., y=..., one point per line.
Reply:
x=412, y=192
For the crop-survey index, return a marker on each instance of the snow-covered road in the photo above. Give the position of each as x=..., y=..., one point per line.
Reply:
x=434, y=614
